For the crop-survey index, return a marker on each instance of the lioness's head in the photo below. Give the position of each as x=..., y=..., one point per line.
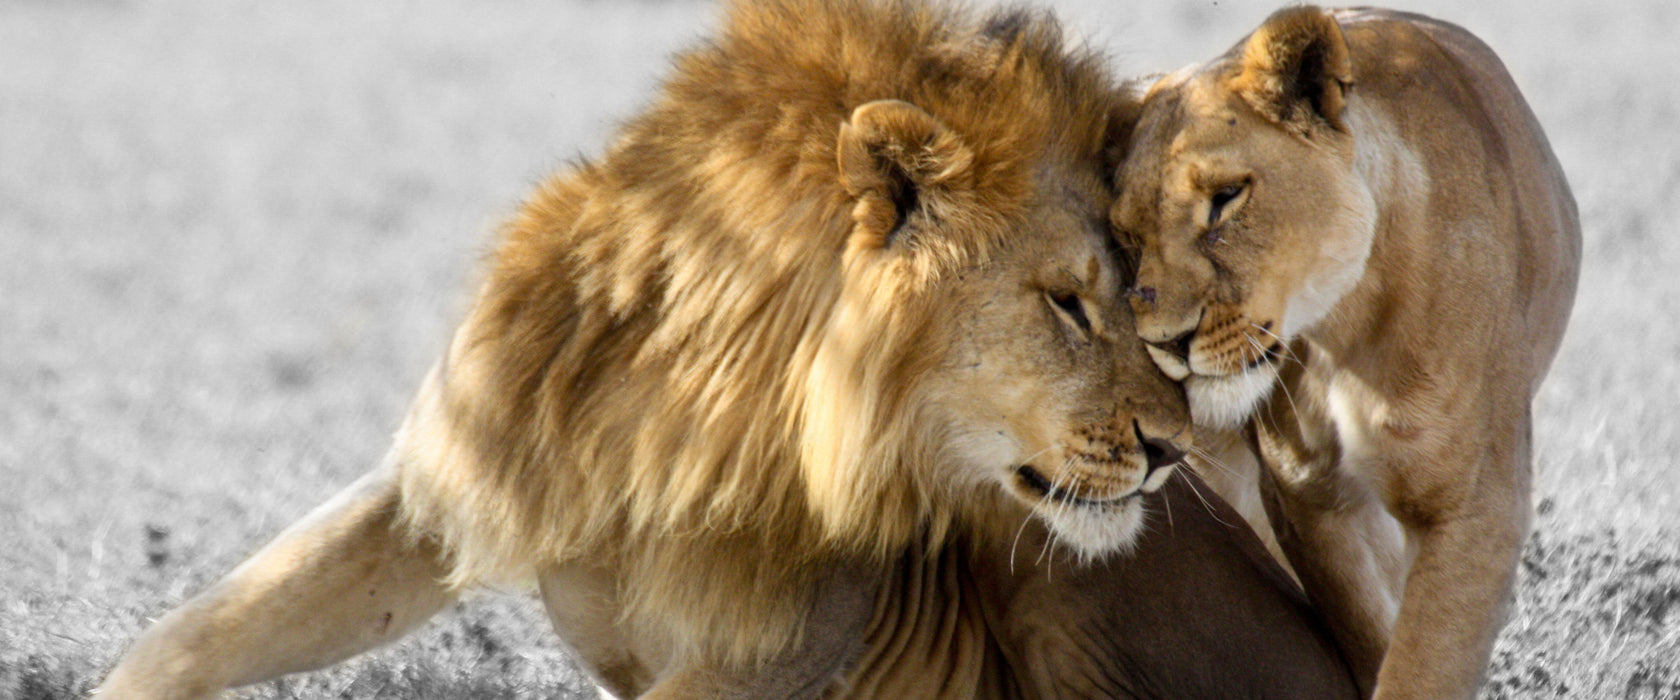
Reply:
x=982, y=331
x=1241, y=202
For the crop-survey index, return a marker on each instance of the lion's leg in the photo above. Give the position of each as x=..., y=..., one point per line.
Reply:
x=338, y=582
x=1459, y=590
x=831, y=646
x=697, y=682
x=584, y=606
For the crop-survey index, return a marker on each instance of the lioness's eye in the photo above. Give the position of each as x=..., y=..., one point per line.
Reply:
x=1221, y=199
x=1071, y=306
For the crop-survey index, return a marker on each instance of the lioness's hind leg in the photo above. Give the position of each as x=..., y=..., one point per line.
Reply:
x=338, y=582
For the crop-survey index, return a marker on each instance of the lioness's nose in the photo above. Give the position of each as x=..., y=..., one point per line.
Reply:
x=1141, y=299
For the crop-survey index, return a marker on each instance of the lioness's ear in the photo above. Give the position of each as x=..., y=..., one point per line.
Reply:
x=892, y=156
x=1295, y=69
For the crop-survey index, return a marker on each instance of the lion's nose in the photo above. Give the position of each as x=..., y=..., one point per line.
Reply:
x=1161, y=453
x=1179, y=346
x=1157, y=452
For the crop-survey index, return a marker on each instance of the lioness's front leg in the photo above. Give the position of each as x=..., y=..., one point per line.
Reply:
x=1409, y=546
x=1349, y=555
x=1348, y=552
x=1459, y=589
x=338, y=582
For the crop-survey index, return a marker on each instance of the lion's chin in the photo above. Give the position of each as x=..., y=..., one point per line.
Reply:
x=1095, y=531
x=1225, y=402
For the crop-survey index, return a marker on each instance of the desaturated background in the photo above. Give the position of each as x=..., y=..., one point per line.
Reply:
x=234, y=234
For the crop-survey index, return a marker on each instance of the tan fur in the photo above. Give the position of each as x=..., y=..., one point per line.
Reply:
x=1375, y=303
x=819, y=305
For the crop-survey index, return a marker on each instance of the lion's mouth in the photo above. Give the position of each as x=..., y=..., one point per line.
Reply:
x=1035, y=481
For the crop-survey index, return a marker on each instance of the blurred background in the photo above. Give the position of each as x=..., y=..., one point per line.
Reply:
x=234, y=234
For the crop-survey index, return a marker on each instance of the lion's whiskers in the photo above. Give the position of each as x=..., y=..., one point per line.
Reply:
x=1027, y=460
x=1166, y=502
x=1060, y=508
x=1028, y=517
x=1208, y=458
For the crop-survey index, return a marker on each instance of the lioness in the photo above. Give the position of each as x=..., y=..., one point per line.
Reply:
x=1357, y=245
x=845, y=291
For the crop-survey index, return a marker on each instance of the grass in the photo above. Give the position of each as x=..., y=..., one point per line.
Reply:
x=232, y=236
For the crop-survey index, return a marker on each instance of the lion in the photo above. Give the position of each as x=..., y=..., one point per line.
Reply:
x=844, y=292
x=1356, y=247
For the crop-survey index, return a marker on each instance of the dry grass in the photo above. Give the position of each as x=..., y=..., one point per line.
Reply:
x=233, y=235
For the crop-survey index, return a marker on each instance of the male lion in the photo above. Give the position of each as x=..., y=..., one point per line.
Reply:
x=844, y=292
x=1355, y=238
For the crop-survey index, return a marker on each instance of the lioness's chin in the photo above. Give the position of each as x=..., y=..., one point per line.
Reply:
x=1096, y=531
x=1224, y=402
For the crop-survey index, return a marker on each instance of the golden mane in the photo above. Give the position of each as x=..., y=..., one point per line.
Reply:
x=676, y=360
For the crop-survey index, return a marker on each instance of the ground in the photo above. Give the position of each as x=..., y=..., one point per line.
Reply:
x=233, y=236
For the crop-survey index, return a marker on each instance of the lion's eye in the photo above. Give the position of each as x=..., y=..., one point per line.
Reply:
x=1071, y=307
x=1222, y=199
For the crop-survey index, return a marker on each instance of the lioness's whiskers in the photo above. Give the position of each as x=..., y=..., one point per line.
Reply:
x=1286, y=394
x=1261, y=415
x=1279, y=383
x=1285, y=351
x=1289, y=355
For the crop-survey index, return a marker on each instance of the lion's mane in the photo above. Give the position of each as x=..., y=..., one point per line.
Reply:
x=677, y=361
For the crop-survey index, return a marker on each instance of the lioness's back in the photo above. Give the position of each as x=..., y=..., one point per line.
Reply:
x=1495, y=144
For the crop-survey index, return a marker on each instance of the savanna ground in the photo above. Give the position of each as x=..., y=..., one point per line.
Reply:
x=233, y=235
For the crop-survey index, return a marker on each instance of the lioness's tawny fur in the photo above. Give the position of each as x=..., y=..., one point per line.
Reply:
x=1356, y=242
x=844, y=291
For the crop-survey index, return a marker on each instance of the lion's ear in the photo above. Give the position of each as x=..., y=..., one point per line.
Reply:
x=1123, y=116
x=892, y=156
x=1295, y=70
